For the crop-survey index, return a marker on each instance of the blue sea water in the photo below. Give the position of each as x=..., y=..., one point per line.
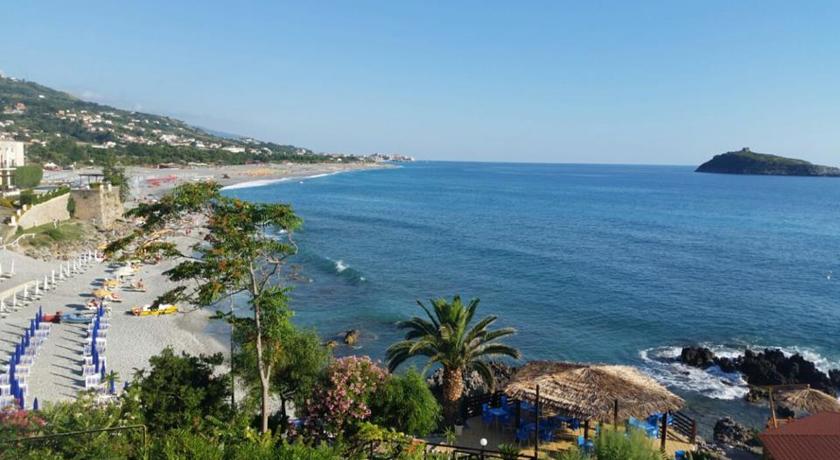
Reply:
x=604, y=263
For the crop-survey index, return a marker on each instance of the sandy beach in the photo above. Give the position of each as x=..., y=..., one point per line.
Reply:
x=56, y=373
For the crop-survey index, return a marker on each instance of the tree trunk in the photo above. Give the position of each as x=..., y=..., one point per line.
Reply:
x=453, y=389
x=263, y=373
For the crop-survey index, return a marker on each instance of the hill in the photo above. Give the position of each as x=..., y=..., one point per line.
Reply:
x=745, y=161
x=64, y=129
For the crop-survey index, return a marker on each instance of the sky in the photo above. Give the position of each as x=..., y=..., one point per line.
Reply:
x=651, y=82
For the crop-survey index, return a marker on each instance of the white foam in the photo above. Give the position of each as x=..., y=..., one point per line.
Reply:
x=711, y=382
x=264, y=182
x=340, y=266
x=662, y=364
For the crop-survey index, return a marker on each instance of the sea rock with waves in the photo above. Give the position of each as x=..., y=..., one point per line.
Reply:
x=768, y=367
x=697, y=357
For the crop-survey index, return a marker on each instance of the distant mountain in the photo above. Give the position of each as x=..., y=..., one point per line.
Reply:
x=64, y=129
x=745, y=161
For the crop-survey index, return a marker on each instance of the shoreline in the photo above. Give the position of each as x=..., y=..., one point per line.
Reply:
x=56, y=373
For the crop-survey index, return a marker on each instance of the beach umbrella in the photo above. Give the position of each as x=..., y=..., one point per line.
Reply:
x=592, y=391
x=112, y=387
x=102, y=372
x=809, y=400
x=101, y=293
x=53, y=277
x=125, y=385
x=12, y=270
x=35, y=404
x=46, y=282
x=22, y=398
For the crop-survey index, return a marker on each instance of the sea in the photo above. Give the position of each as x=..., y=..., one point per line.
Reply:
x=596, y=263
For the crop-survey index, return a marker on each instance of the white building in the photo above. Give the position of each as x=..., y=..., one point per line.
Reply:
x=11, y=156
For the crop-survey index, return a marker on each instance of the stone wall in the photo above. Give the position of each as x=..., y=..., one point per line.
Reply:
x=44, y=213
x=101, y=205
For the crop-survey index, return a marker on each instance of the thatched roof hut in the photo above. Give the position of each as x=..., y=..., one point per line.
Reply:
x=590, y=391
x=810, y=400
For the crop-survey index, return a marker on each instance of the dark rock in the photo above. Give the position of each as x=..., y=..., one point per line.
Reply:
x=772, y=367
x=728, y=432
x=834, y=376
x=783, y=411
x=728, y=364
x=331, y=344
x=473, y=383
x=697, y=357
x=351, y=337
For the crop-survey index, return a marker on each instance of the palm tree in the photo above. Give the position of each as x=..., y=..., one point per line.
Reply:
x=447, y=339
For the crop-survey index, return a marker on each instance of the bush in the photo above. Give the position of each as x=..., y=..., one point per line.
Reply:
x=28, y=176
x=71, y=207
x=26, y=197
x=406, y=404
x=614, y=445
x=182, y=391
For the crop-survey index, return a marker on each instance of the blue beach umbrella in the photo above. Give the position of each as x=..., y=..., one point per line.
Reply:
x=22, y=398
x=102, y=376
x=125, y=385
x=112, y=387
x=35, y=404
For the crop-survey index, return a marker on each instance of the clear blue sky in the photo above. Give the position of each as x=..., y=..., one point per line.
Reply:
x=668, y=82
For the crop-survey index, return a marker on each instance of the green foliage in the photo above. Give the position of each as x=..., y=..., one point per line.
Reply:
x=508, y=451
x=29, y=196
x=28, y=176
x=49, y=234
x=406, y=404
x=614, y=445
x=342, y=400
x=446, y=337
x=71, y=206
x=572, y=454
x=241, y=255
x=115, y=175
x=181, y=391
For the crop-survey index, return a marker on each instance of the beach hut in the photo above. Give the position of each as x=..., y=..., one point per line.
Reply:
x=809, y=400
x=591, y=392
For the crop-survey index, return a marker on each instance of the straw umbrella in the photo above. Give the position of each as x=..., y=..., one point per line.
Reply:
x=591, y=391
x=809, y=400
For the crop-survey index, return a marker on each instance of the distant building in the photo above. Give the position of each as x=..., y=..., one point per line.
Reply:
x=11, y=156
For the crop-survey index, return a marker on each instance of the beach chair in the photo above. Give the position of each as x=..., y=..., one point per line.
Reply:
x=523, y=435
x=680, y=455
x=486, y=415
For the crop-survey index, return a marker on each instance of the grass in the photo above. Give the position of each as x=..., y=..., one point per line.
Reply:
x=49, y=234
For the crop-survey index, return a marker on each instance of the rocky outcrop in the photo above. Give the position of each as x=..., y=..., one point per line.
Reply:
x=697, y=357
x=473, y=383
x=730, y=433
x=745, y=161
x=768, y=367
x=351, y=337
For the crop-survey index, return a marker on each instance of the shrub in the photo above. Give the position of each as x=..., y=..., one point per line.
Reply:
x=26, y=197
x=614, y=445
x=71, y=207
x=28, y=176
x=181, y=391
x=341, y=402
x=406, y=404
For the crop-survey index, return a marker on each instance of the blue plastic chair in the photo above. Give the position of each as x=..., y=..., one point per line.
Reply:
x=486, y=416
x=503, y=401
x=680, y=455
x=523, y=435
x=547, y=435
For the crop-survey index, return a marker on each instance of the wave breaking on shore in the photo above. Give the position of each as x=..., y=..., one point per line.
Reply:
x=663, y=364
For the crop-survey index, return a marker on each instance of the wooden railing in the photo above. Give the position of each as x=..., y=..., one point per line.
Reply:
x=684, y=425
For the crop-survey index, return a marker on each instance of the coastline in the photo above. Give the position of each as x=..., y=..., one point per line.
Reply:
x=56, y=374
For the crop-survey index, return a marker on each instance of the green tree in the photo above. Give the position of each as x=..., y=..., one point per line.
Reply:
x=181, y=391
x=299, y=360
x=28, y=176
x=115, y=174
x=241, y=256
x=406, y=404
x=447, y=339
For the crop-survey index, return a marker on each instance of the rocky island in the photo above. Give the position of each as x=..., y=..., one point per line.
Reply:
x=745, y=161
